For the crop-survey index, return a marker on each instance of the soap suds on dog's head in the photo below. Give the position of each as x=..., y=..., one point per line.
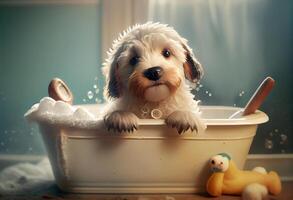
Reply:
x=61, y=113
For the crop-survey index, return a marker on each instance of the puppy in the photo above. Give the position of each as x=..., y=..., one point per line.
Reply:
x=149, y=73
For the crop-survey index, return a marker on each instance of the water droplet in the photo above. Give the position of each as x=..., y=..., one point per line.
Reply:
x=240, y=94
x=269, y=144
x=97, y=90
x=84, y=100
x=207, y=92
x=95, y=86
x=90, y=94
x=210, y=94
x=200, y=85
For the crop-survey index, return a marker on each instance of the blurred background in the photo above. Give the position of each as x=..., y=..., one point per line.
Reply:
x=239, y=42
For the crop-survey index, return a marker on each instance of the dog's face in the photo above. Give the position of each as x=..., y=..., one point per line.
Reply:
x=150, y=62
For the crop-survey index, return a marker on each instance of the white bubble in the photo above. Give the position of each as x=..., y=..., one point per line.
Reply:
x=207, y=92
x=83, y=114
x=240, y=94
x=90, y=94
x=97, y=100
x=210, y=94
x=283, y=137
x=200, y=85
x=95, y=86
x=62, y=108
x=197, y=89
x=269, y=144
x=276, y=130
x=84, y=100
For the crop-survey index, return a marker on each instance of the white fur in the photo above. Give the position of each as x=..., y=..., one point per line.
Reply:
x=147, y=41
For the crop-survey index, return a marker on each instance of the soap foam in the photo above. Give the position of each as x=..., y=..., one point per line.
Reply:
x=61, y=113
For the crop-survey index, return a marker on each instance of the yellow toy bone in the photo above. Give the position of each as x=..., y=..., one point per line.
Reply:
x=228, y=179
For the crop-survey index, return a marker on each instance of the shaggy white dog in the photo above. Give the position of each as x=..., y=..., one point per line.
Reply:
x=149, y=74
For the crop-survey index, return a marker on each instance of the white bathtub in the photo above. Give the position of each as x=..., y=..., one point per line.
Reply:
x=154, y=159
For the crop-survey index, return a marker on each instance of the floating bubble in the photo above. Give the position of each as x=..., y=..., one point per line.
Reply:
x=97, y=90
x=200, y=85
x=84, y=100
x=207, y=92
x=210, y=94
x=90, y=94
x=97, y=100
x=269, y=144
x=95, y=86
x=284, y=137
x=197, y=89
x=276, y=130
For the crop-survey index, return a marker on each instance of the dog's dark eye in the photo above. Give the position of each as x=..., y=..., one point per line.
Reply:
x=134, y=60
x=166, y=53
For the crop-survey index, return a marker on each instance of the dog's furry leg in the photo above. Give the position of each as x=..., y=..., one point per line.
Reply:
x=121, y=121
x=184, y=120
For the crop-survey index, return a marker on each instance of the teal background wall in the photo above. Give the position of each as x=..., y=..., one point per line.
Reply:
x=37, y=43
x=239, y=43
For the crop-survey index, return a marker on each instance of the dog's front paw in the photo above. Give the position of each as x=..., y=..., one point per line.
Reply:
x=184, y=120
x=121, y=121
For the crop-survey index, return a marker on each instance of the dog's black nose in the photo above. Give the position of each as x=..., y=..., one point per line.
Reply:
x=153, y=73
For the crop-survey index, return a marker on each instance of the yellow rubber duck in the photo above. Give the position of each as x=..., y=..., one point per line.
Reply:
x=228, y=179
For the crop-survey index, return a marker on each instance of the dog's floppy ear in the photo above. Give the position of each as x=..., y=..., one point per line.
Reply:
x=113, y=83
x=192, y=68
